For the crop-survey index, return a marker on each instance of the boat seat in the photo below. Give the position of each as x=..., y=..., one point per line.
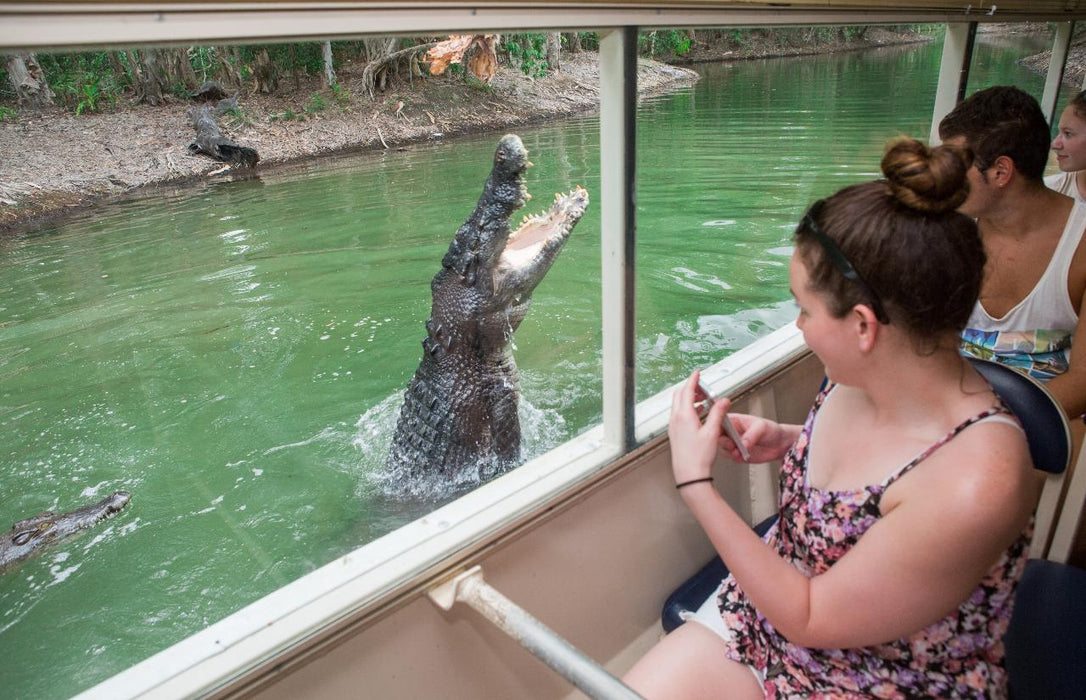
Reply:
x=1046, y=641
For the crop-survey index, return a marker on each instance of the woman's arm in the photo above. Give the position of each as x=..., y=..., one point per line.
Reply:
x=940, y=534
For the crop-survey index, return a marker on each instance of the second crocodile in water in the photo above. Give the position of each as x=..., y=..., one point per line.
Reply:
x=29, y=536
x=461, y=406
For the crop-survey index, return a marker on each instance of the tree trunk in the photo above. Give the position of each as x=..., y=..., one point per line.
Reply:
x=177, y=70
x=266, y=74
x=573, y=41
x=554, y=51
x=188, y=74
x=377, y=72
x=228, y=73
x=124, y=78
x=28, y=80
x=329, y=71
x=150, y=77
x=375, y=49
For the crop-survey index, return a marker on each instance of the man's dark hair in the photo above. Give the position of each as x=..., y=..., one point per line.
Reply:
x=1002, y=121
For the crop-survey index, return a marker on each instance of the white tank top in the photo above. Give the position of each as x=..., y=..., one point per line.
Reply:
x=1064, y=183
x=1036, y=334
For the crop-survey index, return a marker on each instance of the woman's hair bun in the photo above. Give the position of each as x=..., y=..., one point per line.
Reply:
x=929, y=180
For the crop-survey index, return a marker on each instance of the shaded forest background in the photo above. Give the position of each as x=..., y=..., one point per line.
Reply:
x=80, y=128
x=91, y=82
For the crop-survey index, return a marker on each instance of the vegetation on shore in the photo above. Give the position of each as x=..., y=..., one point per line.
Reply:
x=95, y=81
x=117, y=120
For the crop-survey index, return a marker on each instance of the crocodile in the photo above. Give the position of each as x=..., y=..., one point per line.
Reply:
x=28, y=536
x=460, y=408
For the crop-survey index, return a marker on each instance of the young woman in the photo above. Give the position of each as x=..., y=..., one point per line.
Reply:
x=906, y=498
x=1070, y=148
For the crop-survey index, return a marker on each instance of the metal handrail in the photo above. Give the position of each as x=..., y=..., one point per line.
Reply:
x=544, y=643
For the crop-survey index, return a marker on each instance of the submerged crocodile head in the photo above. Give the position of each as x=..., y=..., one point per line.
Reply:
x=30, y=535
x=461, y=405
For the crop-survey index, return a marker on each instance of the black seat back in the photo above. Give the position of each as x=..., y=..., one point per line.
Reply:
x=1047, y=431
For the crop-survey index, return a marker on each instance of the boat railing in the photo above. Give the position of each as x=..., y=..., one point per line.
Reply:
x=543, y=643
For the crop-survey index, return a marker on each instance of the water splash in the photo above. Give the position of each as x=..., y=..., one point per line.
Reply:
x=541, y=429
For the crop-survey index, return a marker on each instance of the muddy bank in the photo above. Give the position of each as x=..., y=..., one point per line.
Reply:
x=1076, y=64
x=55, y=162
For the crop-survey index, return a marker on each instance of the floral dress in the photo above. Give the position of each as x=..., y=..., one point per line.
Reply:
x=958, y=656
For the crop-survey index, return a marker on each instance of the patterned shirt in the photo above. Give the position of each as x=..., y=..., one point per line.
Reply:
x=960, y=656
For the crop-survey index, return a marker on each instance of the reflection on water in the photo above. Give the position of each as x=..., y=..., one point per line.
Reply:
x=234, y=354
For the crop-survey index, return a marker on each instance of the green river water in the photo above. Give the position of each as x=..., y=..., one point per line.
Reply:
x=233, y=354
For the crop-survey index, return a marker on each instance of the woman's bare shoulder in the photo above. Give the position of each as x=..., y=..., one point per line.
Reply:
x=984, y=472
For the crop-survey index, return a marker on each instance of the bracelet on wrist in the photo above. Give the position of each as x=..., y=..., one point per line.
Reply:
x=693, y=481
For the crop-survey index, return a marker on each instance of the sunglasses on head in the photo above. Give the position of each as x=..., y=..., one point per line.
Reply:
x=837, y=256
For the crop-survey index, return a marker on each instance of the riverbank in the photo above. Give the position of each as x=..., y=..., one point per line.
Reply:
x=1075, y=71
x=57, y=162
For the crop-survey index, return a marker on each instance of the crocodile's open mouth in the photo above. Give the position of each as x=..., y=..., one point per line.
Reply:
x=525, y=243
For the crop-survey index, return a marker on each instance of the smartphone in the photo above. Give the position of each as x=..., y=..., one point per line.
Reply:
x=729, y=428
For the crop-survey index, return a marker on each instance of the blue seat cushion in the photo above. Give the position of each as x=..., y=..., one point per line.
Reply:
x=1047, y=432
x=1046, y=641
x=688, y=597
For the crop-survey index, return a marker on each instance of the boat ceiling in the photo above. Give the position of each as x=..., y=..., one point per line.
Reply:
x=75, y=24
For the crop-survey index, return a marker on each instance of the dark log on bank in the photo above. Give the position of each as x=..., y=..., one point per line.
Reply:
x=209, y=91
x=211, y=142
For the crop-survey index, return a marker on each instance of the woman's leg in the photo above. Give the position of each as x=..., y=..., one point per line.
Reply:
x=691, y=663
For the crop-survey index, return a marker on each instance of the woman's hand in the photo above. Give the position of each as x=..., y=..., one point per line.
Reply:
x=765, y=440
x=693, y=444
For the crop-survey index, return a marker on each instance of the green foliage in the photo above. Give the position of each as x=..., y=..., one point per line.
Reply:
x=6, y=91
x=306, y=57
x=7, y=113
x=179, y=90
x=236, y=117
x=82, y=82
x=528, y=52
x=590, y=41
x=92, y=97
x=316, y=104
x=341, y=95
x=202, y=59
x=475, y=84
x=668, y=42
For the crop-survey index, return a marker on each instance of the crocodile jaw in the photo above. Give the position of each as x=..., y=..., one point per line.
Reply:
x=525, y=244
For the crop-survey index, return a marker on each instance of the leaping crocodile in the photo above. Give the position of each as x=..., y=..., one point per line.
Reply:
x=460, y=408
x=30, y=535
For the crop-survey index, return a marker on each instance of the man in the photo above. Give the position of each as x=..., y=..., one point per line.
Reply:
x=1035, y=280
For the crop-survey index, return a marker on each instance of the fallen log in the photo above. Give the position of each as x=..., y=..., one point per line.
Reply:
x=209, y=91
x=211, y=142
